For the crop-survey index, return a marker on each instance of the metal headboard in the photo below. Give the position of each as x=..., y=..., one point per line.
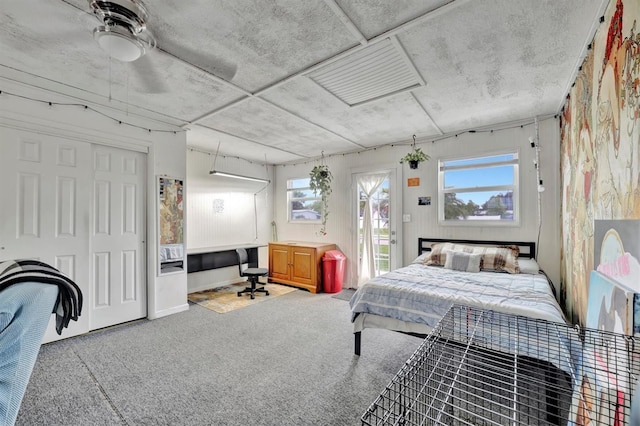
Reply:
x=527, y=249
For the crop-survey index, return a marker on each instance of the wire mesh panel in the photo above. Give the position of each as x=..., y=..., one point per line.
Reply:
x=489, y=368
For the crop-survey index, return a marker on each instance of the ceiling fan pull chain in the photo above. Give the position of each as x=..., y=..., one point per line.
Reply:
x=109, y=78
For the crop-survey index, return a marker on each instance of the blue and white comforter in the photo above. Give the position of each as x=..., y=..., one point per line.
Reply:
x=423, y=294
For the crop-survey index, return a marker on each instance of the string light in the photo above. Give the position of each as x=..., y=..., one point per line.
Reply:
x=310, y=160
x=87, y=107
x=439, y=139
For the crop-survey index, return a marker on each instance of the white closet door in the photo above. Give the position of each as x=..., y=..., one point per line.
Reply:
x=78, y=207
x=44, y=211
x=118, y=237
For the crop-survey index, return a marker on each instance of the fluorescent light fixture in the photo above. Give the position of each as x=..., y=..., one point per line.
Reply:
x=235, y=176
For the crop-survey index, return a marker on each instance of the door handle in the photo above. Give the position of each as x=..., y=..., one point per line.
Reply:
x=392, y=241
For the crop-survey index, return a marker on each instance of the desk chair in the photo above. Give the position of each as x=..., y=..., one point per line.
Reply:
x=252, y=274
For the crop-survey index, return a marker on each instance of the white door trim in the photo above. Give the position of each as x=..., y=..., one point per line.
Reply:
x=395, y=214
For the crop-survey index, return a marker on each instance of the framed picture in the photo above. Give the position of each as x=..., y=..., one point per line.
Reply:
x=424, y=201
x=170, y=225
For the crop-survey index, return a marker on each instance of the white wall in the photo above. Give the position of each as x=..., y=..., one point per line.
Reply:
x=424, y=218
x=243, y=213
x=166, y=156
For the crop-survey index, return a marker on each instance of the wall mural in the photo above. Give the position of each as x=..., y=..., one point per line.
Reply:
x=600, y=147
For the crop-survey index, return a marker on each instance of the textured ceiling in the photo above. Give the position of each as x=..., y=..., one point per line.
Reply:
x=483, y=63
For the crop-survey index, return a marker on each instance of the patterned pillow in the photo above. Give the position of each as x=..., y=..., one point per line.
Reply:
x=498, y=259
x=438, y=254
x=461, y=261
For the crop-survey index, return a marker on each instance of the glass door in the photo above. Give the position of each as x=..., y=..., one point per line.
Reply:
x=378, y=188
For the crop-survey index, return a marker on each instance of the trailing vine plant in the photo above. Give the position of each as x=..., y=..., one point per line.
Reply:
x=320, y=182
x=416, y=155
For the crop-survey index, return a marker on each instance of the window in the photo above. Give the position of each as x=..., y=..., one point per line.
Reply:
x=304, y=205
x=479, y=189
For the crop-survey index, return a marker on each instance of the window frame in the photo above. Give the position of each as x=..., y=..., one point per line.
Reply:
x=515, y=188
x=290, y=200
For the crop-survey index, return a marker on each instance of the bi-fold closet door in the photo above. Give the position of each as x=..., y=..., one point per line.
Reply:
x=81, y=208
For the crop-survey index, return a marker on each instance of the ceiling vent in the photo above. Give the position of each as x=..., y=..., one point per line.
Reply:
x=374, y=72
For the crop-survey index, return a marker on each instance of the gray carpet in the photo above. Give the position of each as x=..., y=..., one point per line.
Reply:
x=345, y=294
x=285, y=362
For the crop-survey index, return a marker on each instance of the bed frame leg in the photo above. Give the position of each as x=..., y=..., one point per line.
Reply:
x=357, y=338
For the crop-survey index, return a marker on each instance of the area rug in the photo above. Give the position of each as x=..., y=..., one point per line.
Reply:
x=225, y=299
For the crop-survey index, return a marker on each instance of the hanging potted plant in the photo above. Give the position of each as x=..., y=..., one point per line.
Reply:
x=320, y=182
x=415, y=157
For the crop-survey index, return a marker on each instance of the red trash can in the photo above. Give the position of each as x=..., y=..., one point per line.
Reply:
x=333, y=271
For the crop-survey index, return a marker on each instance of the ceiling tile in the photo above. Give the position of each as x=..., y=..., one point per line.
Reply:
x=258, y=121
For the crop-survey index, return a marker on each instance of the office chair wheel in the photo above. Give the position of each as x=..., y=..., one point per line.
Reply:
x=266, y=293
x=252, y=296
x=239, y=294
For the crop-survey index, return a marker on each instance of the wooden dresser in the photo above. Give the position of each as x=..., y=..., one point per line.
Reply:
x=297, y=263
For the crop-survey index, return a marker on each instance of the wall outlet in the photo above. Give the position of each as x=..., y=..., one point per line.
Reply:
x=406, y=217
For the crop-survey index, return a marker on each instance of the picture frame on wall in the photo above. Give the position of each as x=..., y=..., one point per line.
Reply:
x=170, y=195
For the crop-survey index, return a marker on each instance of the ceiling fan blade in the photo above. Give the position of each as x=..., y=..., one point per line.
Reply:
x=147, y=75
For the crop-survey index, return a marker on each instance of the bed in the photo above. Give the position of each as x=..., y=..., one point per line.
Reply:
x=414, y=298
x=497, y=346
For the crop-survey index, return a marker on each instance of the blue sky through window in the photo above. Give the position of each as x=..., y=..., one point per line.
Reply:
x=480, y=177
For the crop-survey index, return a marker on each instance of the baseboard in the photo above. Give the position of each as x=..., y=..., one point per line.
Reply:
x=170, y=311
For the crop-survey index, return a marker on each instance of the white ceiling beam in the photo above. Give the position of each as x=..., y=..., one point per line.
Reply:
x=337, y=10
x=211, y=113
x=424, y=109
x=286, y=111
x=255, y=142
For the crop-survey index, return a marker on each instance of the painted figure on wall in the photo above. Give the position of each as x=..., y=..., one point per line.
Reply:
x=578, y=165
x=619, y=158
x=600, y=153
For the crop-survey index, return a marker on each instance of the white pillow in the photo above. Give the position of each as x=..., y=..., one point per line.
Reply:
x=528, y=266
x=461, y=261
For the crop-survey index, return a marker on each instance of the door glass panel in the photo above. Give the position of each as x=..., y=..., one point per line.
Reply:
x=380, y=218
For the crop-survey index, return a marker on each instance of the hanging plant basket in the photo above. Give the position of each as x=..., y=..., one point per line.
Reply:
x=320, y=183
x=415, y=157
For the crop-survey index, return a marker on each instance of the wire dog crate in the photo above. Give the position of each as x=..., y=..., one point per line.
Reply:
x=488, y=368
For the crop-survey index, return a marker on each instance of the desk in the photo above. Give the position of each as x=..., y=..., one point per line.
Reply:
x=203, y=259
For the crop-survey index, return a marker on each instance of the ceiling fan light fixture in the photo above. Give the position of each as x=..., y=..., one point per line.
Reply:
x=123, y=35
x=119, y=43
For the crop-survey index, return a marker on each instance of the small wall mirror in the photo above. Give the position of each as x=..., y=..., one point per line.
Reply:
x=170, y=223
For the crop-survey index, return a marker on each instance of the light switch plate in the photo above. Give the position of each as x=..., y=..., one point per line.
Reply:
x=406, y=217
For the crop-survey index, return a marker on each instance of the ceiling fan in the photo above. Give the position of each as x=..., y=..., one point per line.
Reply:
x=124, y=35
